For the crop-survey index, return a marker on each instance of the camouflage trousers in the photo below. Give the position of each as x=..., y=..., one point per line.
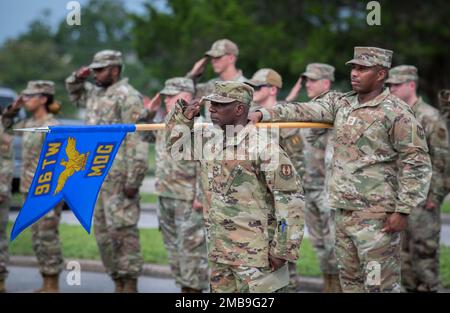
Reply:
x=227, y=278
x=46, y=244
x=294, y=278
x=319, y=219
x=368, y=259
x=115, y=227
x=184, y=238
x=4, y=258
x=420, y=251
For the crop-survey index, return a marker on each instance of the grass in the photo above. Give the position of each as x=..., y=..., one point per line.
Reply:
x=151, y=160
x=149, y=198
x=445, y=208
x=77, y=244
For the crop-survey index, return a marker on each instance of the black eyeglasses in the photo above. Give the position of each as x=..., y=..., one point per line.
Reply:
x=257, y=88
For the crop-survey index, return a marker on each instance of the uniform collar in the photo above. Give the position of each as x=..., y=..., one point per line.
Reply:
x=372, y=103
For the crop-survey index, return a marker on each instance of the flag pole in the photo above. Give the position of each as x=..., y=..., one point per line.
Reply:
x=150, y=127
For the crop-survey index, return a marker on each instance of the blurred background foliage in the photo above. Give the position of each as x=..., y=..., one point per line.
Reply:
x=285, y=35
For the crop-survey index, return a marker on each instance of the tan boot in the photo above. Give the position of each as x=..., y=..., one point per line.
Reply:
x=335, y=285
x=2, y=286
x=50, y=284
x=326, y=283
x=118, y=283
x=130, y=285
x=189, y=290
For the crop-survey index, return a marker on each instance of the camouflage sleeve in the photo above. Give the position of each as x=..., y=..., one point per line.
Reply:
x=136, y=150
x=293, y=146
x=78, y=89
x=408, y=139
x=282, y=181
x=179, y=134
x=6, y=163
x=147, y=117
x=321, y=109
x=8, y=116
x=439, y=150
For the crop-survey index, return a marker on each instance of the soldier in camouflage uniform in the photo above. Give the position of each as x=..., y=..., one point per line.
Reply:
x=6, y=173
x=420, y=252
x=114, y=101
x=38, y=99
x=179, y=211
x=224, y=54
x=266, y=83
x=319, y=216
x=444, y=106
x=255, y=220
x=381, y=170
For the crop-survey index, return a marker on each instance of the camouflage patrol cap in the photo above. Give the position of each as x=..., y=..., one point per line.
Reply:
x=319, y=71
x=266, y=76
x=222, y=47
x=39, y=87
x=230, y=91
x=444, y=101
x=176, y=85
x=106, y=58
x=402, y=74
x=371, y=56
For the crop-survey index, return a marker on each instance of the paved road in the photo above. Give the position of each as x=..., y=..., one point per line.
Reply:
x=27, y=279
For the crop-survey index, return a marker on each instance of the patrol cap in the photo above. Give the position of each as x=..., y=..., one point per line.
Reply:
x=371, y=56
x=318, y=71
x=222, y=47
x=39, y=87
x=266, y=76
x=230, y=91
x=176, y=85
x=106, y=58
x=402, y=74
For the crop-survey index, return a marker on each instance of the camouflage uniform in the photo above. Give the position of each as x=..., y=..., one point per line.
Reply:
x=319, y=216
x=218, y=49
x=116, y=216
x=45, y=233
x=444, y=106
x=6, y=171
x=181, y=226
x=253, y=213
x=420, y=251
x=380, y=166
x=291, y=142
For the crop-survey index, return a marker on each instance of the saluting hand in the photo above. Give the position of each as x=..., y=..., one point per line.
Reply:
x=198, y=68
x=192, y=109
x=154, y=103
x=83, y=72
x=295, y=90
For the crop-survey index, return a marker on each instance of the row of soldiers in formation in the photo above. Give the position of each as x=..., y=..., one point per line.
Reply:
x=229, y=226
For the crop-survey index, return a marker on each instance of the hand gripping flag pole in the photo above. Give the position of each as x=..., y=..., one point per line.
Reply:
x=73, y=165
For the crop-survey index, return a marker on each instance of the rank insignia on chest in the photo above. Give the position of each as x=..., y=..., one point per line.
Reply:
x=286, y=171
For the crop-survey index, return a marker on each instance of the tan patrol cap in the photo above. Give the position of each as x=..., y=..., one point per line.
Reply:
x=266, y=76
x=106, y=58
x=318, y=71
x=39, y=87
x=230, y=91
x=176, y=85
x=222, y=47
x=402, y=74
x=371, y=56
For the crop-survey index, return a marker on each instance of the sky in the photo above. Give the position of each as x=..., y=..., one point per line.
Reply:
x=16, y=15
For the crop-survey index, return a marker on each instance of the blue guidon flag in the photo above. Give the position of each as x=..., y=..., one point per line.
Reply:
x=73, y=164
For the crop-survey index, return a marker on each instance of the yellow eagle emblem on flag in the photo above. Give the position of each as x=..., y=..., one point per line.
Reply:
x=76, y=162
